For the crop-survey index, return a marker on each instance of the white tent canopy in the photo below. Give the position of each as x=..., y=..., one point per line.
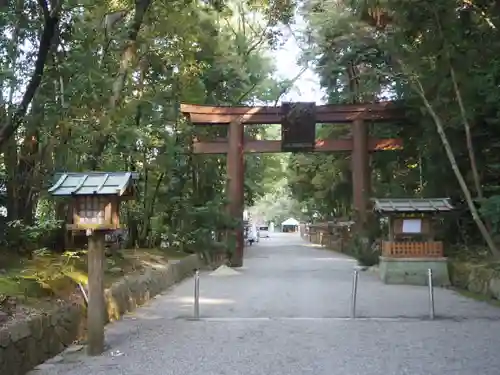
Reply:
x=290, y=221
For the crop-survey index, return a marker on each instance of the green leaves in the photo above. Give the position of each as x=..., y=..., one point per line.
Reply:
x=184, y=52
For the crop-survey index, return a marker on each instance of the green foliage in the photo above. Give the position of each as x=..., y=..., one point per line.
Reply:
x=322, y=182
x=360, y=248
x=28, y=237
x=277, y=205
x=365, y=245
x=366, y=51
x=110, y=101
x=490, y=209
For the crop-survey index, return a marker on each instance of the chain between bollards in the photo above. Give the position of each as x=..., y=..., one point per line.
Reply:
x=431, y=293
x=197, y=295
x=354, y=293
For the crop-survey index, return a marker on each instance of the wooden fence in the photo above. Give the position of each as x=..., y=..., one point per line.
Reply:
x=333, y=234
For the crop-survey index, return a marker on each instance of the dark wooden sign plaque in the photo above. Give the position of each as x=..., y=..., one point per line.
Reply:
x=298, y=127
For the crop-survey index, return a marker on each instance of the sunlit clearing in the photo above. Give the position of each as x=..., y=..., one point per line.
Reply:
x=154, y=265
x=314, y=245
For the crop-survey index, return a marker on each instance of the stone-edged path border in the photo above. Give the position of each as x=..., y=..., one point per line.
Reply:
x=27, y=343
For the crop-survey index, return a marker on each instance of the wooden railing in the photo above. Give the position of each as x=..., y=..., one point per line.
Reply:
x=336, y=236
x=394, y=249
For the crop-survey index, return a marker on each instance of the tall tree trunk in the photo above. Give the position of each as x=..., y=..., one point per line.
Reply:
x=127, y=58
x=468, y=137
x=463, y=112
x=10, y=159
x=11, y=147
x=51, y=22
x=31, y=154
x=149, y=212
x=30, y=159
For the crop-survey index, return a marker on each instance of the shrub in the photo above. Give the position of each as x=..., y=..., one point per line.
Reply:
x=363, y=250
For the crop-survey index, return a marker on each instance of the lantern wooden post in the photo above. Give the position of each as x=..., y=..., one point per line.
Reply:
x=96, y=307
x=95, y=210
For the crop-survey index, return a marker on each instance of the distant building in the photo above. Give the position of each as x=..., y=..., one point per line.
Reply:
x=290, y=225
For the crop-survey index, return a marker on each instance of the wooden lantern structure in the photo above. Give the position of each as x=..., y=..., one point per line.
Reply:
x=411, y=245
x=96, y=197
x=95, y=207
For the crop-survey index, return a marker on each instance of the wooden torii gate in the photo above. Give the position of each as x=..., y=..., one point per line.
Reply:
x=235, y=146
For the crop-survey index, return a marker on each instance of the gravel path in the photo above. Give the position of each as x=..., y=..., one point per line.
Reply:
x=285, y=313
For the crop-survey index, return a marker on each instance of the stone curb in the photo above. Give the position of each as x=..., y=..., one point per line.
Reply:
x=475, y=278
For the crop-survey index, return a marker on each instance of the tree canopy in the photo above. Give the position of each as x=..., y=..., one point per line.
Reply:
x=98, y=87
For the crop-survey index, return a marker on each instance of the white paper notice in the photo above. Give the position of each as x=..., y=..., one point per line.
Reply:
x=412, y=226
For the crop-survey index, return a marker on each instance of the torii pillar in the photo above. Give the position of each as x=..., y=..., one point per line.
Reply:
x=360, y=171
x=236, y=191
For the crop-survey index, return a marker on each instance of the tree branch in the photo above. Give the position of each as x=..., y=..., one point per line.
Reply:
x=259, y=41
x=246, y=93
x=285, y=89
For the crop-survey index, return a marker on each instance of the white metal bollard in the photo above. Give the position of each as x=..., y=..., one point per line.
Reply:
x=431, y=293
x=197, y=295
x=354, y=293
